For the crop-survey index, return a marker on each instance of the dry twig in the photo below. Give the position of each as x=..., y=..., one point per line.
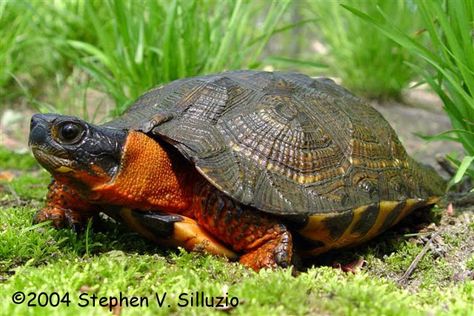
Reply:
x=403, y=280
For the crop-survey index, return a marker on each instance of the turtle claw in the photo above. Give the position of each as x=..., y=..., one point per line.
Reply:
x=282, y=252
x=75, y=221
x=61, y=218
x=55, y=215
x=274, y=253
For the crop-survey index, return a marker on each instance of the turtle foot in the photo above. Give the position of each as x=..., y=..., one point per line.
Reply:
x=61, y=218
x=276, y=252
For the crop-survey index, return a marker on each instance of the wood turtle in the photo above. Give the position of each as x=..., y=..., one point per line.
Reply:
x=247, y=164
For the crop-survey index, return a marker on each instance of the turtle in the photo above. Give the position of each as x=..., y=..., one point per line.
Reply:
x=256, y=166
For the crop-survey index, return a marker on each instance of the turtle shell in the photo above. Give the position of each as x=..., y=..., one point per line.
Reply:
x=283, y=143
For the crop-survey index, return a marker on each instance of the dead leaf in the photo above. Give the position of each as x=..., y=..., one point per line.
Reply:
x=6, y=176
x=450, y=209
x=353, y=267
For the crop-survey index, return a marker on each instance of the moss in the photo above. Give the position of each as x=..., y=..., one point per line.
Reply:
x=12, y=160
x=452, y=239
x=113, y=261
x=470, y=263
x=400, y=260
x=471, y=226
x=319, y=290
x=30, y=186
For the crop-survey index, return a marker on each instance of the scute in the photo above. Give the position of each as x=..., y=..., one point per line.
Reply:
x=283, y=142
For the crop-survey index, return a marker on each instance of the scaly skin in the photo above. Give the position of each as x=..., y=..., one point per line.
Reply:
x=264, y=241
x=154, y=178
x=64, y=207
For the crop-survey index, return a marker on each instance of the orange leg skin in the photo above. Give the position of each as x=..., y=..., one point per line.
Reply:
x=173, y=230
x=264, y=242
x=64, y=207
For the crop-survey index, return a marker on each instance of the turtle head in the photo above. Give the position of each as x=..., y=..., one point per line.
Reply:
x=74, y=150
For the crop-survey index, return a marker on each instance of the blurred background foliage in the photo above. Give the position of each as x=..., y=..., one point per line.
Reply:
x=92, y=58
x=366, y=60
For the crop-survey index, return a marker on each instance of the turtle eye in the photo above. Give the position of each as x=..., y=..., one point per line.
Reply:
x=70, y=133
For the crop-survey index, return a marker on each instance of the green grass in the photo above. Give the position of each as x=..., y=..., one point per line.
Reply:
x=54, y=52
x=111, y=261
x=470, y=263
x=16, y=161
x=53, y=264
x=141, y=45
x=30, y=59
x=365, y=60
x=13, y=39
x=448, y=25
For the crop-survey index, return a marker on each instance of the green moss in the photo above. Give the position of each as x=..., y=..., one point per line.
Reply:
x=471, y=226
x=12, y=160
x=470, y=263
x=400, y=260
x=317, y=291
x=113, y=261
x=32, y=185
x=437, y=274
x=37, y=244
x=452, y=239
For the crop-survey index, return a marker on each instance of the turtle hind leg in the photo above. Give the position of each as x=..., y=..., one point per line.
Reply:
x=263, y=241
x=276, y=251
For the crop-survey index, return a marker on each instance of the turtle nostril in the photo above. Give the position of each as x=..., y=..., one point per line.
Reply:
x=35, y=120
x=38, y=130
x=33, y=123
x=39, y=126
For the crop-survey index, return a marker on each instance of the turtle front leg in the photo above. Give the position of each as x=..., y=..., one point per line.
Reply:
x=263, y=240
x=64, y=208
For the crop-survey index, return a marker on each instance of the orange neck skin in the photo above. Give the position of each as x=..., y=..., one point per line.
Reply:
x=149, y=178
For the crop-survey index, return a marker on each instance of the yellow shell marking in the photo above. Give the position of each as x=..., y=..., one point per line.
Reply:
x=317, y=230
